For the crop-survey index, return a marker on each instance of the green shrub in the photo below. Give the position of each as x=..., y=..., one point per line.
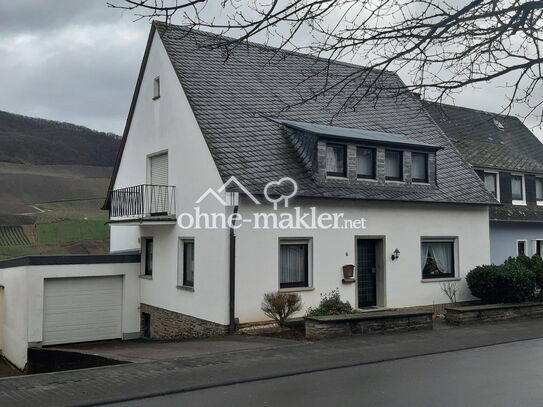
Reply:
x=508, y=282
x=330, y=304
x=535, y=265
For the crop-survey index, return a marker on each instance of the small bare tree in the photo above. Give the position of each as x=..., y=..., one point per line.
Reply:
x=280, y=306
x=445, y=45
x=450, y=289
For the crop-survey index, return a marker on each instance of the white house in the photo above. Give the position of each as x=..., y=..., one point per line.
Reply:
x=309, y=184
x=197, y=119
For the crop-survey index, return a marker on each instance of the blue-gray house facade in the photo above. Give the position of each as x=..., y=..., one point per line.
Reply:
x=508, y=158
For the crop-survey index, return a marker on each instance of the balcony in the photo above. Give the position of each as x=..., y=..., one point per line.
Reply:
x=143, y=204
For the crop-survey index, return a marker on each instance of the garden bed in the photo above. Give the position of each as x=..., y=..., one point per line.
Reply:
x=493, y=312
x=367, y=323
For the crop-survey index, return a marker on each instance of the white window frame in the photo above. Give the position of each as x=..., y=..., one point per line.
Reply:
x=456, y=256
x=538, y=202
x=497, y=181
x=148, y=165
x=534, y=245
x=517, y=201
x=143, y=260
x=180, y=262
x=296, y=240
x=525, y=246
x=156, y=88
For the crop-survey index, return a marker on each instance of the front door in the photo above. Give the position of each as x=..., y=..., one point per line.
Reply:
x=366, y=272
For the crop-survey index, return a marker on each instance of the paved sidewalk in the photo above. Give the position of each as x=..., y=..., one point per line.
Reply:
x=147, y=351
x=125, y=382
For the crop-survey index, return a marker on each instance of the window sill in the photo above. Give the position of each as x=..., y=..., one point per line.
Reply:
x=520, y=203
x=295, y=289
x=438, y=280
x=539, y=203
x=146, y=277
x=367, y=179
x=156, y=97
x=186, y=288
x=337, y=177
x=394, y=181
x=420, y=183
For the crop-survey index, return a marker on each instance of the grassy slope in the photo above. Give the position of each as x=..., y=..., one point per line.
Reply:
x=66, y=227
x=43, y=161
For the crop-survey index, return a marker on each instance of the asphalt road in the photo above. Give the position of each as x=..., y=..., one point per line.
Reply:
x=501, y=375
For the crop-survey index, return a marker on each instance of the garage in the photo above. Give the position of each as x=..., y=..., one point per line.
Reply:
x=82, y=309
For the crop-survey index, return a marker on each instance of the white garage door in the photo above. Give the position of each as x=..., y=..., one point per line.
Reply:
x=82, y=309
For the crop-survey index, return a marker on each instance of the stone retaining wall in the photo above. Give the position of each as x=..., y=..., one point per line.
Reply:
x=167, y=324
x=367, y=323
x=493, y=312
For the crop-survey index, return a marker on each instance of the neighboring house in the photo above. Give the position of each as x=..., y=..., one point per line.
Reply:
x=509, y=159
x=198, y=118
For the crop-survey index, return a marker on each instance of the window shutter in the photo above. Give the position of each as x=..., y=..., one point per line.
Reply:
x=159, y=169
x=529, y=181
x=505, y=187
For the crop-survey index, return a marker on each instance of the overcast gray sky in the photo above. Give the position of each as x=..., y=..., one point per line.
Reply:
x=77, y=61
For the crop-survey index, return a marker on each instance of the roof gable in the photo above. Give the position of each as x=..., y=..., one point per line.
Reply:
x=235, y=96
x=489, y=140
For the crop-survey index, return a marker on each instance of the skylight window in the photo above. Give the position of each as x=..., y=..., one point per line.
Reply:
x=499, y=124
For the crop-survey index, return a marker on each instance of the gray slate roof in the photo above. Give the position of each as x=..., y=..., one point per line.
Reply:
x=516, y=213
x=484, y=144
x=357, y=134
x=234, y=99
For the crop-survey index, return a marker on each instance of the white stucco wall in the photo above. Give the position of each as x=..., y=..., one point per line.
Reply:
x=168, y=124
x=23, y=300
x=401, y=224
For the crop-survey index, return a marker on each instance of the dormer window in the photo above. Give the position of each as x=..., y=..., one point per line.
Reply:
x=539, y=190
x=365, y=163
x=156, y=92
x=491, y=182
x=336, y=162
x=393, y=165
x=517, y=189
x=419, y=167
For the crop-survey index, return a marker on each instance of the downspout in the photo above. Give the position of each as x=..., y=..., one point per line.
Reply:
x=232, y=272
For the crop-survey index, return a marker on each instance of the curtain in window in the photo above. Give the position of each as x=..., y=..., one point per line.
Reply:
x=293, y=263
x=392, y=164
x=364, y=162
x=418, y=167
x=437, y=258
x=490, y=182
x=334, y=159
x=516, y=187
x=539, y=189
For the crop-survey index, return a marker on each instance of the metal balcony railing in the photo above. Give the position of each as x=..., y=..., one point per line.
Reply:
x=143, y=201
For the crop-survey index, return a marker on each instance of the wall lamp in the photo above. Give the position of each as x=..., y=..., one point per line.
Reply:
x=395, y=254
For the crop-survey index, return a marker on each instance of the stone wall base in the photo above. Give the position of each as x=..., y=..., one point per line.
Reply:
x=493, y=312
x=367, y=323
x=165, y=324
